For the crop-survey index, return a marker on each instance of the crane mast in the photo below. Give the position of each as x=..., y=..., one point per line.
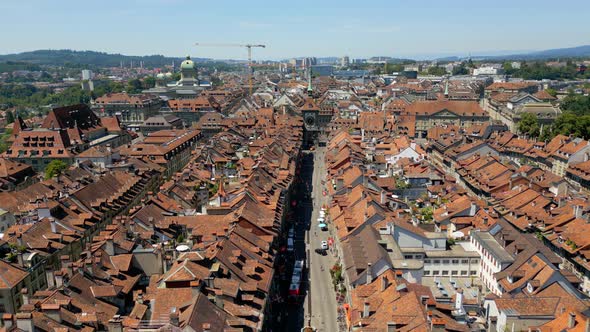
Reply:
x=248, y=46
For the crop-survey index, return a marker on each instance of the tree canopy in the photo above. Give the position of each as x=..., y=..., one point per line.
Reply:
x=437, y=71
x=460, y=69
x=575, y=119
x=55, y=168
x=529, y=125
x=577, y=104
x=540, y=70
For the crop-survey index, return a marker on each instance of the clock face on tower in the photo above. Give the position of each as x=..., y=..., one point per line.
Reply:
x=310, y=120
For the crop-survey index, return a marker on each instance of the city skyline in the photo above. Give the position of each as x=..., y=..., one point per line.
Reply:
x=305, y=28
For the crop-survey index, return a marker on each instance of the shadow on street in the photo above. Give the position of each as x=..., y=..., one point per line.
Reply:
x=290, y=315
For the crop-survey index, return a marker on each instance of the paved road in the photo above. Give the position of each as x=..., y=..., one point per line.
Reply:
x=322, y=296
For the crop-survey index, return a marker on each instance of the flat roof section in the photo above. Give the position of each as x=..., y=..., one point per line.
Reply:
x=493, y=247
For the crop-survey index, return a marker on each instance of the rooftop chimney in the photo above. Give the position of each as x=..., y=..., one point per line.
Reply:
x=571, y=322
x=7, y=321
x=366, y=310
x=384, y=283
x=20, y=258
x=390, y=326
x=19, y=240
x=89, y=265
x=339, y=183
x=369, y=273
x=25, y=293
x=174, y=318
x=53, y=225
x=24, y=321
x=459, y=300
x=578, y=211
x=115, y=324
x=473, y=209
x=59, y=279
x=218, y=299
x=110, y=246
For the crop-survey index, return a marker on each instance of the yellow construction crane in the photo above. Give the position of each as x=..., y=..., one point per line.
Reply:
x=248, y=46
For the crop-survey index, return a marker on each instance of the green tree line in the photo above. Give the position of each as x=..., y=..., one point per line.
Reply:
x=575, y=120
x=540, y=70
x=29, y=96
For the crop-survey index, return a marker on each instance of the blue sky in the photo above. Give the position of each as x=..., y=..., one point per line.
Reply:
x=293, y=28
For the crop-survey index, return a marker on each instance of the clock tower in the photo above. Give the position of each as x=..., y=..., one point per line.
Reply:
x=314, y=118
x=311, y=128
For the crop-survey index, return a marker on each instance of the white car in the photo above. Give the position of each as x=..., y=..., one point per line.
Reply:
x=324, y=245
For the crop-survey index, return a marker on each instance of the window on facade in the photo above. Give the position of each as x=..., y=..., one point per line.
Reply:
x=463, y=273
x=455, y=261
x=475, y=261
x=445, y=261
x=464, y=261
x=408, y=256
x=454, y=273
x=473, y=273
x=427, y=261
x=445, y=273
x=435, y=273
x=436, y=261
x=426, y=273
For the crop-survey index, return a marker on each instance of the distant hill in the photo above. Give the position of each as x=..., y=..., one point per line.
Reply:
x=448, y=58
x=569, y=52
x=88, y=58
x=579, y=51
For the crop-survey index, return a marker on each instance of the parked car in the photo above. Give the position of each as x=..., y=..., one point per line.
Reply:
x=324, y=245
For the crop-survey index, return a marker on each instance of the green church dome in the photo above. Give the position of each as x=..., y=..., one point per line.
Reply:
x=187, y=64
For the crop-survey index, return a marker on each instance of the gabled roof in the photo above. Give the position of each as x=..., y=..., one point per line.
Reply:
x=527, y=307
x=10, y=275
x=460, y=108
